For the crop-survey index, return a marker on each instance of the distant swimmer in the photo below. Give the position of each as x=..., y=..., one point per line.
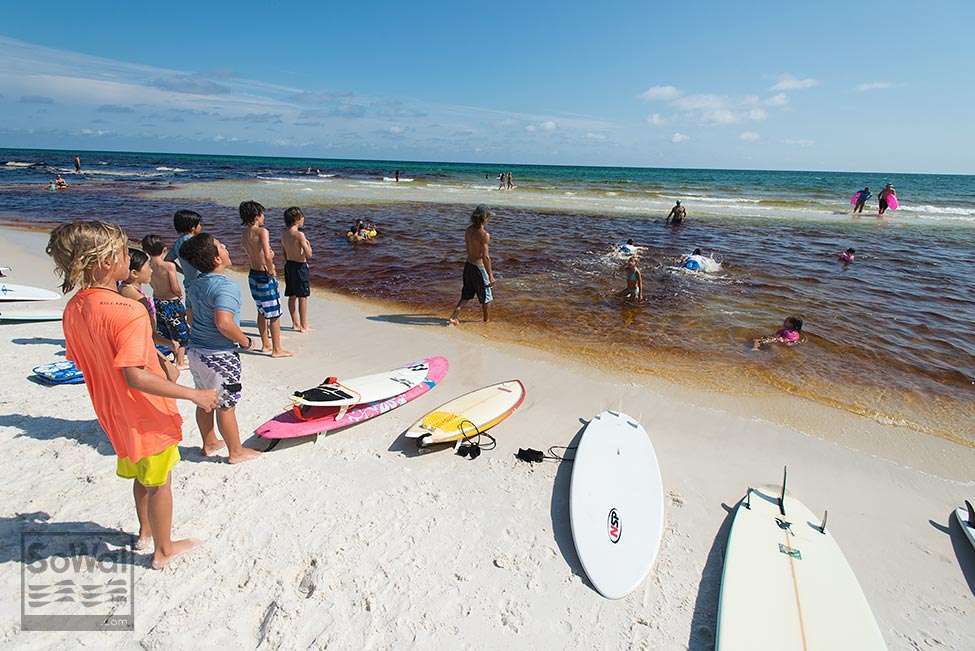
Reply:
x=789, y=334
x=677, y=215
x=634, y=282
x=478, y=273
x=883, y=199
x=862, y=197
x=60, y=183
x=508, y=180
x=501, y=181
x=630, y=248
x=397, y=176
x=77, y=164
x=847, y=256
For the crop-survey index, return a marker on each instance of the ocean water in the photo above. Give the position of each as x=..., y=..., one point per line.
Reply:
x=890, y=337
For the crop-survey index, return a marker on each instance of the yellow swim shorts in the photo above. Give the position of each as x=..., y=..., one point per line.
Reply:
x=152, y=471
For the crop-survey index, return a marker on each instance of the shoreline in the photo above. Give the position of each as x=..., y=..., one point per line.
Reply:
x=930, y=452
x=341, y=540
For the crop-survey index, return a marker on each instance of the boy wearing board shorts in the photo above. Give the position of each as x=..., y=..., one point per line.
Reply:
x=167, y=298
x=214, y=341
x=478, y=273
x=133, y=391
x=256, y=241
x=187, y=223
x=297, y=251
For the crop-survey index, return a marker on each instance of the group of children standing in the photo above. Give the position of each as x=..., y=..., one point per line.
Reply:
x=112, y=330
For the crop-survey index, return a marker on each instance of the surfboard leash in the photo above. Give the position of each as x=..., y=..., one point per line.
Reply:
x=537, y=456
x=470, y=445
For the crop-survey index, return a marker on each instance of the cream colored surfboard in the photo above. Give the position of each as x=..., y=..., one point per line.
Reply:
x=787, y=585
x=470, y=413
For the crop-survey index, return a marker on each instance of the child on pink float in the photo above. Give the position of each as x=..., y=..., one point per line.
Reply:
x=790, y=334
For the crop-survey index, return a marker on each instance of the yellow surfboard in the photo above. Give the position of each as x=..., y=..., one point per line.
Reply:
x=468, y=414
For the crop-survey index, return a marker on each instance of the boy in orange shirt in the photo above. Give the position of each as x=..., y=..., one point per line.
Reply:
x=109, y=337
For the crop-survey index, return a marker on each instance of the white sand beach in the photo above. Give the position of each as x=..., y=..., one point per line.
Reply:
x=354, y=541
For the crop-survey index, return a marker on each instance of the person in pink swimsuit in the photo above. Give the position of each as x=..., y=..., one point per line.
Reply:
x=847, y=256
x=790, y=334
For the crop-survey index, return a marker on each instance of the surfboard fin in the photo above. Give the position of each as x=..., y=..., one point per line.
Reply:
x=971, y=514
x=822, y=527
x=748, y=499
x=785, y=475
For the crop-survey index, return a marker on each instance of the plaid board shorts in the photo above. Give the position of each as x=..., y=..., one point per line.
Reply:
x=264, y=291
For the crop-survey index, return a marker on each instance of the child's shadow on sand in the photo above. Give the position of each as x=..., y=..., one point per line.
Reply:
x=49, y=428
x=45, y=539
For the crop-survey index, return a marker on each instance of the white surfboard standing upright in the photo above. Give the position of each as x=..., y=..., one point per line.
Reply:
x=786, y=584
x=616, y=503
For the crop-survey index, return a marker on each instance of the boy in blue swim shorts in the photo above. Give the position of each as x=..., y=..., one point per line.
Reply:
x=263, y=284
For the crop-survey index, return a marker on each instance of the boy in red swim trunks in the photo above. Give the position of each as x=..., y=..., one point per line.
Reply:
x=109, y=338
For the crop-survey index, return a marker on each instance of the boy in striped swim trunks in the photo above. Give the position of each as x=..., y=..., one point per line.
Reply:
x=264, y=285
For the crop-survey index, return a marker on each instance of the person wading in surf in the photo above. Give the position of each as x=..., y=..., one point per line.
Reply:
x=478, y=275
x=677, y=215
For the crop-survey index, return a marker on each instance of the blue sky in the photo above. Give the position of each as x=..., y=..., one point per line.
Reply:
x=863, y=86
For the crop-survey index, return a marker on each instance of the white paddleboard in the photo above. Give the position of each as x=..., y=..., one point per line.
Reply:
x=10, y=293
x=616, y=503
x=368, y=388
x=787, y=585
x=967, y=525
x=21, y=317
x=468, y=414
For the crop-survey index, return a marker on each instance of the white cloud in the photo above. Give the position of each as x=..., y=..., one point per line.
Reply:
x=661, y=93
x=719, y=117
x=801, y=142
x=656, y=119
x=749, y=136
x=549, y=125
x=874, y=85
x=700, y=102
x=790, y=82
x=757, y=114
x=780, y=99
x=679, y=137
x=530, y=127
x=595, y=136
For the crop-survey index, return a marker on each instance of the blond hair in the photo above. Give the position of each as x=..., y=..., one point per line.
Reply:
x=79, y=247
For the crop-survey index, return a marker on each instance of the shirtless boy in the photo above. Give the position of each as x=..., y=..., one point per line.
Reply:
x=677, y=215
x=297, y=251
x=167, y=298
x=478, y=275
x=264, y=286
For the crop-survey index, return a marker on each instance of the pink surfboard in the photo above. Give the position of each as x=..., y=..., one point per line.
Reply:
x=319, y=420
x=891, y=202
x=853, y=199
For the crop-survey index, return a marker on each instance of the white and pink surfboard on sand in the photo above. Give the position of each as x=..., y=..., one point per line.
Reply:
x=318, y=420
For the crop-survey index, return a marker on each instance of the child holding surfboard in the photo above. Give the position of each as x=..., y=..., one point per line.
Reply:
x=109, y=338
x=214, y=342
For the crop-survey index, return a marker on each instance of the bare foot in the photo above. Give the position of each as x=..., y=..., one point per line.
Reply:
x=453, y=322
x=307, y=329
x=209, y=449
x=142, y=543
x=180, y=547
x=245, y=454
x=295, y=328
x=282, y=353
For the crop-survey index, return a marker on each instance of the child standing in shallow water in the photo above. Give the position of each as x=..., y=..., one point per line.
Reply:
x=790, y=334
x=109, y=338
x=297, y=251
x=214, y=340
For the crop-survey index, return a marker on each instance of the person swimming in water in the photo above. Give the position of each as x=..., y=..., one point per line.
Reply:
x=847, y=256
x=790, y=334
x=677, y=215
x=60, y=183
x=693, y=262
x=634, y=282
